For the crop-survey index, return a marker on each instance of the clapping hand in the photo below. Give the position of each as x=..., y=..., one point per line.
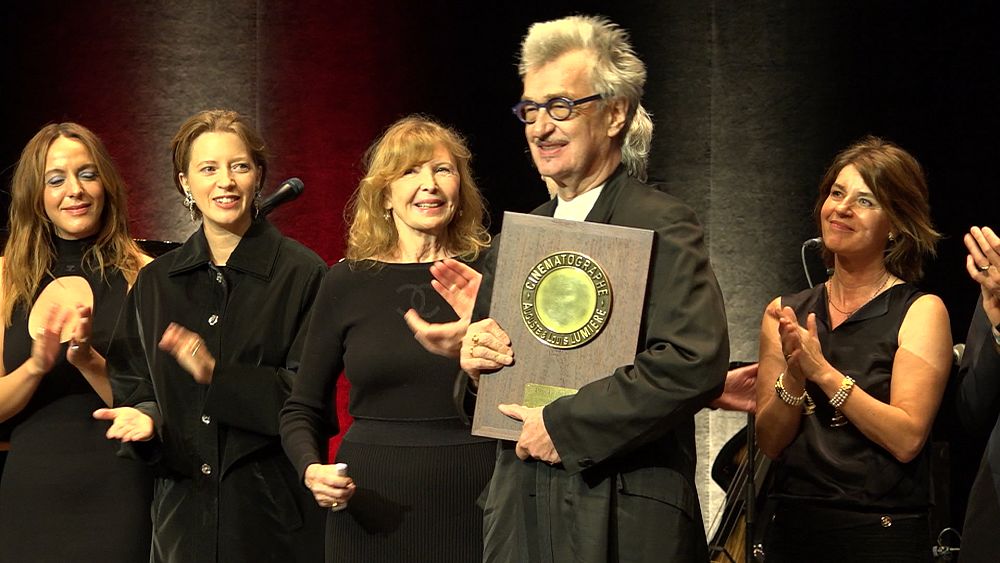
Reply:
x=983, y=265
x=458, y=284
x=80, y=353
x=46, y=343
x=801, y=347
x=189, y=350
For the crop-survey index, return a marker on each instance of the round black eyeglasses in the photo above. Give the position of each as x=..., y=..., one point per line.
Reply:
x=559, y=108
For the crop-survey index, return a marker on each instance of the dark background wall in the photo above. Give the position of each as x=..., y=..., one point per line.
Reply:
x=751, y=100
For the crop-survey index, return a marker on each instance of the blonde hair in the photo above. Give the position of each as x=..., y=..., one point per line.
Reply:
x=617, y=73
x=405, y=143
x=29, y=253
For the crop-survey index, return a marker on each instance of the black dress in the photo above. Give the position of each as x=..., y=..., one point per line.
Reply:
x=65, y=495
x=417, y=468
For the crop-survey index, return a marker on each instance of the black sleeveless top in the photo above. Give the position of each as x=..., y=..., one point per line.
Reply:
x=839, y=467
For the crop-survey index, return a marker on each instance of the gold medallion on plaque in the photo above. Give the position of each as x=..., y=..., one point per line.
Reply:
x=566, y=300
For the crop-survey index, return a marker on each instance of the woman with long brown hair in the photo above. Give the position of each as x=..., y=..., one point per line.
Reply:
x=66, y=268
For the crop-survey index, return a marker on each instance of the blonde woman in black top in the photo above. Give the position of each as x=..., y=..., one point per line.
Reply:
x=417, y=469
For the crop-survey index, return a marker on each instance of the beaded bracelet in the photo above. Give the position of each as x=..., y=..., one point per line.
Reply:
x=785, y=396
x=840, y=397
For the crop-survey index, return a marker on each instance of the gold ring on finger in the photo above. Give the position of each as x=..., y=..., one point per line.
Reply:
x=985, y=268
x=197, y=346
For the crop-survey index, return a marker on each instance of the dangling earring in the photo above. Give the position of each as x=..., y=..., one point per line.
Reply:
x=256, y=203
x=189, y=203
x=892, y=238
x=387, y=214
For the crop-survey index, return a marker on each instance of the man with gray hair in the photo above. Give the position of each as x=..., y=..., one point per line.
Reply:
x=606, y=474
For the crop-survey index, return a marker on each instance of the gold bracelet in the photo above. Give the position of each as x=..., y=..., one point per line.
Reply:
x=840, y=397
x=785, y=396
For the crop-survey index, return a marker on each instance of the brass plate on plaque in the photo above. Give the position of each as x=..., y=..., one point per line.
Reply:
x=538, y=395
x=566, y=300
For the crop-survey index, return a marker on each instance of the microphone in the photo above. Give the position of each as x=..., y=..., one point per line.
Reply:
x=287, y=191
x=810, y=243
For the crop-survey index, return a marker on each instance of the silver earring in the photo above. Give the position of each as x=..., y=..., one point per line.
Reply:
x=189, y=203
x=387, y=215
x=891, y=238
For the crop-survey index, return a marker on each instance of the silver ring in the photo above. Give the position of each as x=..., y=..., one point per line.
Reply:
x=985, y=268
x=74, y=347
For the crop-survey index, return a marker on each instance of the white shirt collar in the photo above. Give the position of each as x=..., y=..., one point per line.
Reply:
x=579, y=207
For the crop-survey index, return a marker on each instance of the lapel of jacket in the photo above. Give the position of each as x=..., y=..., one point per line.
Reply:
x=608, y=200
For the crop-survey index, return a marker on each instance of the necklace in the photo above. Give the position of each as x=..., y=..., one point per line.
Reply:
x=829, y=296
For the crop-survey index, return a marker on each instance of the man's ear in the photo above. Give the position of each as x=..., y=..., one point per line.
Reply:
x=617, y=110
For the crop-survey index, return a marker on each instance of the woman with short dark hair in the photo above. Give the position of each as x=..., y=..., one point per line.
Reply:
x=852, y=373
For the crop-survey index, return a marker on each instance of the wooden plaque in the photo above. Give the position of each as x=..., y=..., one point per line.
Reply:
x=570, y=294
